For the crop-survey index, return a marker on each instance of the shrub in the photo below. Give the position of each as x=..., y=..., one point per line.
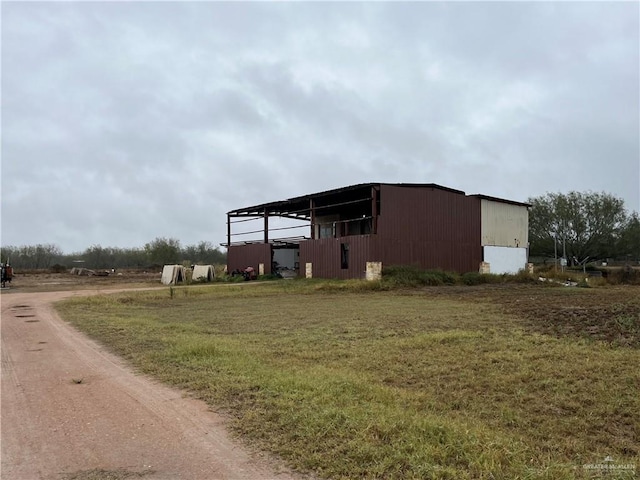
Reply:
x=236, y=279
x=596, y=281
x=402, y=275
x=474, y=278
x=358, y=286
x=448, y=278
x=431, y=279
x=584, y=283
x=270, y=276
x=412, y=276
x=625, y=276
x=522, y=277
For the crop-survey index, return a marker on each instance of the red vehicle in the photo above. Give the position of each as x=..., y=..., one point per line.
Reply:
x=248, y=273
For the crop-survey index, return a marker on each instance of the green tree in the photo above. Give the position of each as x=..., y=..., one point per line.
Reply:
x=587, y=224
x=35, y=256
x=98, y=257
x=629, y=245
x=8, y=253
x=132, y=257
x=204, y=253
x=163, y=251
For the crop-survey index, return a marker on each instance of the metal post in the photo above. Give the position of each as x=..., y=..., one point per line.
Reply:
x=312, y=212
x=555, y=250
x=374, y=210
x=266, y=226
x=564, y=246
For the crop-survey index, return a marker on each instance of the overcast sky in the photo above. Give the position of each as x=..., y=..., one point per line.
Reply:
x=123, y=122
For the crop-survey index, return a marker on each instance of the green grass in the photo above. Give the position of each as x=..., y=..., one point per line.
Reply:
x=348, y=381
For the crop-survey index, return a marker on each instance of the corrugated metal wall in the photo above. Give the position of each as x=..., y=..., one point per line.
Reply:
x=240, y=257
x=449, y=256
x=433, y=228
x=325, y=254
x=504, y=224
x=428, y=227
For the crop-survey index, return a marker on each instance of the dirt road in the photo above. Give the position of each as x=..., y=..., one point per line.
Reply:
x=72, y=411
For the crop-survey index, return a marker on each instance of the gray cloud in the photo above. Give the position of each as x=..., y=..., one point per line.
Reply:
x=122, y=122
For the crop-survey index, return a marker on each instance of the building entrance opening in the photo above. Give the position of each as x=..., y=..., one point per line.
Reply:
x=286, y=260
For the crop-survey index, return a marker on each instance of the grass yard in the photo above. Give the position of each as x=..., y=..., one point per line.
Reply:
x=493, y=382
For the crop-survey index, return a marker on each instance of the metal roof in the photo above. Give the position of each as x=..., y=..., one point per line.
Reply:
x=299, y=207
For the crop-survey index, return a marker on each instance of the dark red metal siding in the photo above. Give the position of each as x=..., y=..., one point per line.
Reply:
x=428, y=227
x=240, y=257
x=325, y=254
x=417, y=225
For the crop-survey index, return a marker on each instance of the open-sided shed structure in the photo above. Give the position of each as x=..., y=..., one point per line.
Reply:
x=427, y=225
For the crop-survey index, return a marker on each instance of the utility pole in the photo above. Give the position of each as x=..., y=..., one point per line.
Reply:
x=555, y=250
x=563, y=261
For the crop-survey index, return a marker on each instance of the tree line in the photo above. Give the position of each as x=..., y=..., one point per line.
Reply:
x=583, y=226
x=160, y=251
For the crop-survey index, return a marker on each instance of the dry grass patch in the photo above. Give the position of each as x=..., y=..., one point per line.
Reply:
x=436, y=384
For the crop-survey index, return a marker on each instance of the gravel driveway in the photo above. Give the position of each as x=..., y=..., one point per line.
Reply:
x=73, y=411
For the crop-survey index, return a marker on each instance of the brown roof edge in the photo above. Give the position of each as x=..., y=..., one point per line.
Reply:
x=257, y=209
x=424, y=185
x=501, y=200
x=281, y=203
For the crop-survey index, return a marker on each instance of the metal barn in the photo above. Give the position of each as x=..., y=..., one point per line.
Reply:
x=345, y=229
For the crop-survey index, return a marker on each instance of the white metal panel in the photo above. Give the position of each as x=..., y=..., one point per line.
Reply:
x=505, y=259
x=504, y=224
